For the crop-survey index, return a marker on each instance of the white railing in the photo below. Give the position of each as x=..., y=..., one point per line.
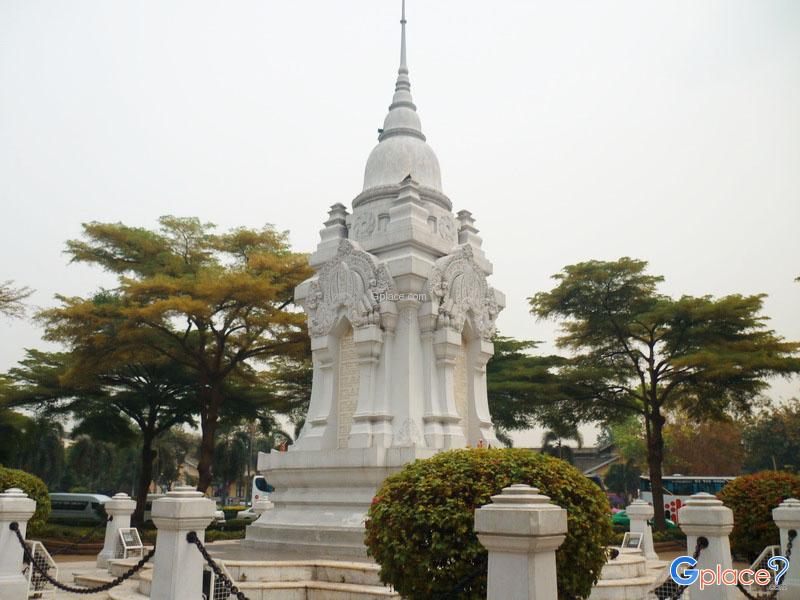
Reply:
x=38, y=586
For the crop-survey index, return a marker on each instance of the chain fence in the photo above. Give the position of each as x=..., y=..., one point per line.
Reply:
x=776, y=588
x=45, y=575
x=670, y=590
x=223, y=586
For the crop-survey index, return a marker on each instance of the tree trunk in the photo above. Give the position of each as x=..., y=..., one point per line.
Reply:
x=208, y=422
x=655, y=459
x=145, y=478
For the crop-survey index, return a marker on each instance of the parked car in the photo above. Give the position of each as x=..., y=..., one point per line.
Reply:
x=247, y=515
x=68, y=507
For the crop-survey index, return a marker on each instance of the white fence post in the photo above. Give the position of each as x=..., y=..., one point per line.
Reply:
x=705, y=516
x=119, y=509
x=787, y=518
x=521, y=529
x=640, y=512
x=15, y=507
x=177, y=564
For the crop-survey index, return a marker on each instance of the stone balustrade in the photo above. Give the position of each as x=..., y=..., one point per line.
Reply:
x=520, y=528
x=119, y=510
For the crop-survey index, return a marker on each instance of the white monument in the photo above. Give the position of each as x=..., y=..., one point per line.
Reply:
x=400, y=316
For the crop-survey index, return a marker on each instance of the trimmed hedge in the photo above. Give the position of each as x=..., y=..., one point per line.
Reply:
x=752, y=498
x=420, y=526
x=31, y=485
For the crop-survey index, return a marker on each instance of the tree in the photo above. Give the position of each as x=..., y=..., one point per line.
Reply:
x=627, y=436
x=12, y=299
x=553, y=438
x=116, y=393
x=623, y=479
x=231, y=457
x=92, y=465
x=212, y=303
x=519, y=383
x=771, y=439
x=637, y=351
x=705, y=448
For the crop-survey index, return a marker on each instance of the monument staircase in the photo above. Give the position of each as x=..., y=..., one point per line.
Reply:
x=628, y=576
x=265, y=580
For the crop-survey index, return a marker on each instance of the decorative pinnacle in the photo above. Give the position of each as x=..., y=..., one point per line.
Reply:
x=403, y=40
x=403, y=82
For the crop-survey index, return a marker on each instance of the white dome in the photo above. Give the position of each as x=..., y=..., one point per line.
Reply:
x=399, y=156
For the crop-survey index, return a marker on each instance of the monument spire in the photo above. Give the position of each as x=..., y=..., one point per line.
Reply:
x=401, y=149
x=403, y=65
x=402, y=89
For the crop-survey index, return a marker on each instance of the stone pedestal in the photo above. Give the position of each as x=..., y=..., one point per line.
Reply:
x=119, y=509
x=705, y=516
x=321, y=498
x=177, y=564
x=15, y=506
x=521, y=529
x=787, y=518
x=640, y=512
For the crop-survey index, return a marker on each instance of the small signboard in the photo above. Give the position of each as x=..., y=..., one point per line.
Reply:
x=631, y=540
x=130, y=542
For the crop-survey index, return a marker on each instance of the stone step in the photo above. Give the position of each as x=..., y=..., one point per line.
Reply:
x=126, y=594
x=293, y=590
x=625, y=566
x=314, y=590
x=118, y=566
x=635, y=588
x=90, y=580
x=317, y=570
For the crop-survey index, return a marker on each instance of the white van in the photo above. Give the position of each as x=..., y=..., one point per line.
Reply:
x=260, y=491
x=78, y=507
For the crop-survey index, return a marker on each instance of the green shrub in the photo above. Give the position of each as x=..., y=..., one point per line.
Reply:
x=230, y=525
x=31, y=485
x=73, y=534
x=420, y=526
x=752, y=498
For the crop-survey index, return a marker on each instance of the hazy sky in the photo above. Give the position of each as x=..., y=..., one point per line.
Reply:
x=667, y=131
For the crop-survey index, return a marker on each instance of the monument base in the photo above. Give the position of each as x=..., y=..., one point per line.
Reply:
x=322, y=497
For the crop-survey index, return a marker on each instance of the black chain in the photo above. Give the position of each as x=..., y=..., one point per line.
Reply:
x=662, y=590
x=776, y=589
x=55, y=550
x=77, y=590
x=193, y=538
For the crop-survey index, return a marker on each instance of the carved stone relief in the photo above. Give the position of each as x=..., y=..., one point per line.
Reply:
x=353, y=280
x=458, y=286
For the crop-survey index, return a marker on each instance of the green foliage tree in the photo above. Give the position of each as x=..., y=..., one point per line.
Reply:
x=42, y=451
x=752, y=498
x=231, y=457
x=638, y=351
x=554, y=438
x=519, y=384
x=13, y=426
x=627, y=435
x=420, y=526
x=115, y=392
x=772, y=439
x=623, y=479
x=92, y=463
x=212, y=303
x=12, y=299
